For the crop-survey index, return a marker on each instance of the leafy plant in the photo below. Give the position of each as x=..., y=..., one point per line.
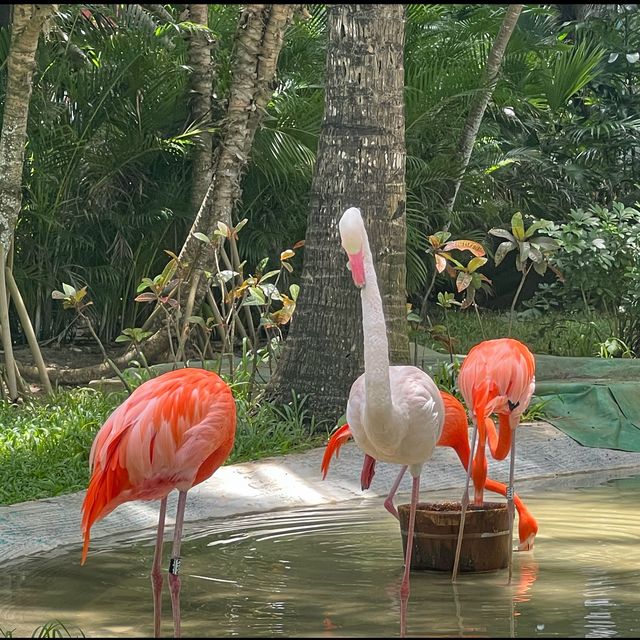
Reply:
x=614, y=348
x=532, y=251
x=599, y=259
x=75, y=299
x=440, y=248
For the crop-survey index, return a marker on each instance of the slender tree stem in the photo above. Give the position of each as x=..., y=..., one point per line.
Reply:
x=525, y=273
x=25, y=321
x=110, y=362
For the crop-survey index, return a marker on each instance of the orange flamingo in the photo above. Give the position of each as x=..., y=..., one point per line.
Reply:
x=497, y=376
x=172, y=432
x=455, y=434
x=395, y=413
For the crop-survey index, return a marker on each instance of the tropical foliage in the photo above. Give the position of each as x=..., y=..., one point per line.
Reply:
x=107, y=177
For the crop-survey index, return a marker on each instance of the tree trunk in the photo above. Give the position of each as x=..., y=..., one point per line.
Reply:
x=258, y=43
x=257, y=47
x=200, y=48
x=479, y=106
x=360, y=162
x=25, y=32
x=259, y=39
x=28, y=20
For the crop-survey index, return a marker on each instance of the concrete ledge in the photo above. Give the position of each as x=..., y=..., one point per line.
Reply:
x=542, y=452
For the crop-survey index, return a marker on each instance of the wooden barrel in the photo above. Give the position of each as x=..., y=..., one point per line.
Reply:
x=485, y=544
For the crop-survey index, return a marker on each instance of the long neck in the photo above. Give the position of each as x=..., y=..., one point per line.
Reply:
x=376, y=346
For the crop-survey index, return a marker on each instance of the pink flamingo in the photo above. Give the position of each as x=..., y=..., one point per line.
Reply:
x=455, y=435
x=172, y=432
x=496, y=376
x=395, y=413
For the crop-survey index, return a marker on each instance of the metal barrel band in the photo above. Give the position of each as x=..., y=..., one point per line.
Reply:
x=454, y=536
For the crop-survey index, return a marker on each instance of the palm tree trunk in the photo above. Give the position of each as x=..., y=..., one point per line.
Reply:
x=360, y=162
x=27, y=23
x=476, y=113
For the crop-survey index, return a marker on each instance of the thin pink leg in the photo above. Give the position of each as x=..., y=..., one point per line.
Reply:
x=510, y=505
x=388, y=503
x=464, y=504
x=404, y=587
x=156, y=571
x=174, y=564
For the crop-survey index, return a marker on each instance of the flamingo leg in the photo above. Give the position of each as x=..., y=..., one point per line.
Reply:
x=463, y=506
x=479, y=465
x=388, y=503
x=156, y=571
x=174, y=564
x=404, y=587
x=510, y=500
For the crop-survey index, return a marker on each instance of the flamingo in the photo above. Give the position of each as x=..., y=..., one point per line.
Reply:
x=172, y=432
x=455, y=434
x=497, y=376
x=395, y=413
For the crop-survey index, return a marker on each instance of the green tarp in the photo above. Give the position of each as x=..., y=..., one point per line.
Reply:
x=595, y=401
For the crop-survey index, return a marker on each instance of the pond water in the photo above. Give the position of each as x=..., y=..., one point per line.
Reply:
x=336, y=571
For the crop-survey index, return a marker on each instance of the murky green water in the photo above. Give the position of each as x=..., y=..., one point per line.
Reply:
x=335, y=572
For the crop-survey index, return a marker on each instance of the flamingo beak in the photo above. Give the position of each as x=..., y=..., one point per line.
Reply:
x=356, y=266
x=527, y=545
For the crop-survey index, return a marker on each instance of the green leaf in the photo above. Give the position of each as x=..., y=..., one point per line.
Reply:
x=271, y=291
x=463, y=281
x=258, y=294
x=540, y=267
x=269, y=274
x=294, y=290
x=68, y=289
x=223, y=229
x=546, y=244
x=502, y=250
x=203, y=237
x=535, y=254
x=502, y=233
x=539, y=224
x=475, y=263
x=517, y=226
x=241, y=224
x=225, y=275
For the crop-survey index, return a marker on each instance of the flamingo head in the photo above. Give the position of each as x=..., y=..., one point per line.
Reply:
x=352, y=239
x=527, y=530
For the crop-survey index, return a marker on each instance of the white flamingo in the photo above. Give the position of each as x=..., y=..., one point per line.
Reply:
x=395, y=413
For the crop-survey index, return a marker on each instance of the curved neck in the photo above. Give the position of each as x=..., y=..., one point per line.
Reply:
x=376, y=346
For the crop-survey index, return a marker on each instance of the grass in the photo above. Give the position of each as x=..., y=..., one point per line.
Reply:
x=553, y=333
x=53, y=629
x=45, y=443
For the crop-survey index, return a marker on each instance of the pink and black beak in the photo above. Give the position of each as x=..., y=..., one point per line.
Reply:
x=356, y=266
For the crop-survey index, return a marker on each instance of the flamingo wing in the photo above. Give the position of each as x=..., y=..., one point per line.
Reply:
x=173, y=431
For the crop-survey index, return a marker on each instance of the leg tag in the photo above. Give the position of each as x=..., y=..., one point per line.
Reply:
x=174, y=566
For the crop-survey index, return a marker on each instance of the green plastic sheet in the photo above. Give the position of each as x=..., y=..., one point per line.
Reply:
x=595, y=401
